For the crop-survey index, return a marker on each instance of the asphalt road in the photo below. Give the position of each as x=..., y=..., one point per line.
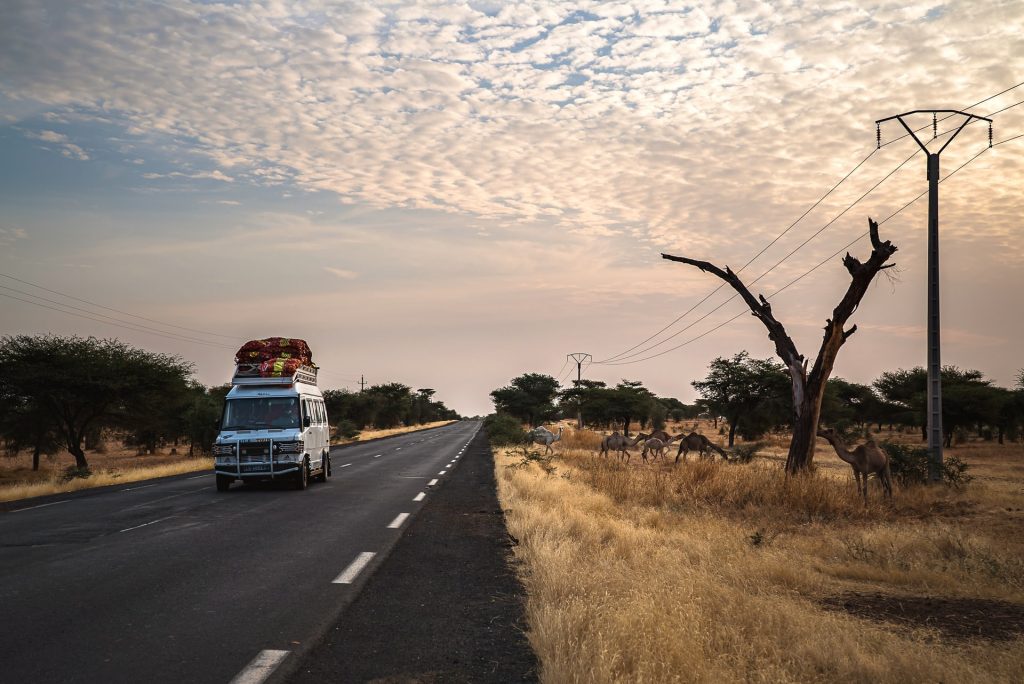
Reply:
x=172, y=581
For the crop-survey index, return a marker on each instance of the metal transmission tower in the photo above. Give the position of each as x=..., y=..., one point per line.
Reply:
x=579, y=358
x=934, y=362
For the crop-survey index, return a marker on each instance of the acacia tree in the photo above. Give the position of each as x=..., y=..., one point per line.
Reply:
x=26, y=424
x=749, y=393
x=530, y=398
x=87, y=384
x=809, y=387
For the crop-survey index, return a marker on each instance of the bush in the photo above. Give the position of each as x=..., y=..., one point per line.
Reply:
x=909, y=466
x=744, y=453
x=527, y=456
x=75, y=473
x=504, y=430
x=346, y=429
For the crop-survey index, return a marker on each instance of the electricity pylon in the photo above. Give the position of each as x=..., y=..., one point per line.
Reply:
x=579, y=358
x=934, y=363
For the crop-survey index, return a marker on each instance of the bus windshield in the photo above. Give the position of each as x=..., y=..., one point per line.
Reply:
x=260, y=413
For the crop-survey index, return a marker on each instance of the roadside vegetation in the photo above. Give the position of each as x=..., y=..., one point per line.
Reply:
x=724, y=571
x=82, y=412
x=733, y=570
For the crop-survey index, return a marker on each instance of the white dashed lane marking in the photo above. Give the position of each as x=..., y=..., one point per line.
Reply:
x=432, y=483
x=55, y=503
x=346, y=465
x=151, y=522
x=354, y=568
x=397, y=522
x=419, y=497
x=128, y=489
x=260, y=667
x=442, y=472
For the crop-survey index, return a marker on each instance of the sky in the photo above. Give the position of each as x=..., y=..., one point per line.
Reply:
x=450, y=194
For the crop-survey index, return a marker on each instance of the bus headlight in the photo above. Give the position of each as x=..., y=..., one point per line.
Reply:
x=223, y=449
x=289, y=451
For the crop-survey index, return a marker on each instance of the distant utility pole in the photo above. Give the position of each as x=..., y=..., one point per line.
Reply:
x=935, y=436
x=362, y=383
x=579, y=358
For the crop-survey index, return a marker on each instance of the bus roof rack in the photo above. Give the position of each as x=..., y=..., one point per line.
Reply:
x=249, y=374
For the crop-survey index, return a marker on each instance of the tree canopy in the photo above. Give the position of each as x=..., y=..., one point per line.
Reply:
x=753, y=395
x=530, y=398
x=80, y=384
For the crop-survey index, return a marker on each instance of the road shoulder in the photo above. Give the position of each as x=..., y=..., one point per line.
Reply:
x=445, y=606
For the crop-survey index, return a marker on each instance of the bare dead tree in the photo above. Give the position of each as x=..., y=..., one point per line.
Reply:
x=809, y=388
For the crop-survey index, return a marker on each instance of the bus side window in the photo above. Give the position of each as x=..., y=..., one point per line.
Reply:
x=321, y=411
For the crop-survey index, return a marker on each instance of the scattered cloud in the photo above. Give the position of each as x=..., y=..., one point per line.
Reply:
x=9, y=235
x=342, y=273
x=66, y=147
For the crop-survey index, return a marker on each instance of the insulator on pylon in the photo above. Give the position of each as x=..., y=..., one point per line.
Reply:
x=990, y=134
x=878, y=135
x=935, y=125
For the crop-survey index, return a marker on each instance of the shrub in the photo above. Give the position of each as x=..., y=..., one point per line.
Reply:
x=346, y=429
x=744, y=453
x=504, y=430
x=75, y=473
x=527, y=456
x=909, y=466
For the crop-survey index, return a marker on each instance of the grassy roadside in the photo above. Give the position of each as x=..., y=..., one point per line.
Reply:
x=718, y=572
x=390, y=432
x=101, y=478
x=107, y=471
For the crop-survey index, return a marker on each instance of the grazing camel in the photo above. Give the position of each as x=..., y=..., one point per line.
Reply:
x=865, y=459
x=544, y=436
x=699, y=443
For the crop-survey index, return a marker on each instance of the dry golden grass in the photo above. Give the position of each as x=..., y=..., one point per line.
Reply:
x=376, y=434
x=717, y=572
x=101, y=477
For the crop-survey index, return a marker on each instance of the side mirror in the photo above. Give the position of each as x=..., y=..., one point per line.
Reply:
x=307, y=421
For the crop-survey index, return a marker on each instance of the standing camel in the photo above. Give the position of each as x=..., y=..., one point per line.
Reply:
x=544, y=436
x=699, y=443
x=865, y=459
x=658, y=442
x=656, y=447
x=617, y=442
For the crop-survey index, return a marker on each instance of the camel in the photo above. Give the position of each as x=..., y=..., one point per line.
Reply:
x=544, y=436
x=617, y=442
x=658, y=442
x=865, y=459
x=656, y=447
x=700, y=444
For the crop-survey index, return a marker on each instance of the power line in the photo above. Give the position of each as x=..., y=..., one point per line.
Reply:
x=107, y=308
x=560, y=370
x=990, y=97
x=100, y=320
x=135, y=326
x=811, y=270
x=624, y=354
x=774, y=266
x=763, y=250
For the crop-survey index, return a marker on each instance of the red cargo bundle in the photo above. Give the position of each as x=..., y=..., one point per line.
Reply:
x=278, y=368
x=258, y=351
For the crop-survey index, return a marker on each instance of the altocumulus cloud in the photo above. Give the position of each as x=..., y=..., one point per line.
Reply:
x=640, y=119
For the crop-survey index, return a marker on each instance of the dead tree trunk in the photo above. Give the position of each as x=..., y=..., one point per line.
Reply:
x=809, y=387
